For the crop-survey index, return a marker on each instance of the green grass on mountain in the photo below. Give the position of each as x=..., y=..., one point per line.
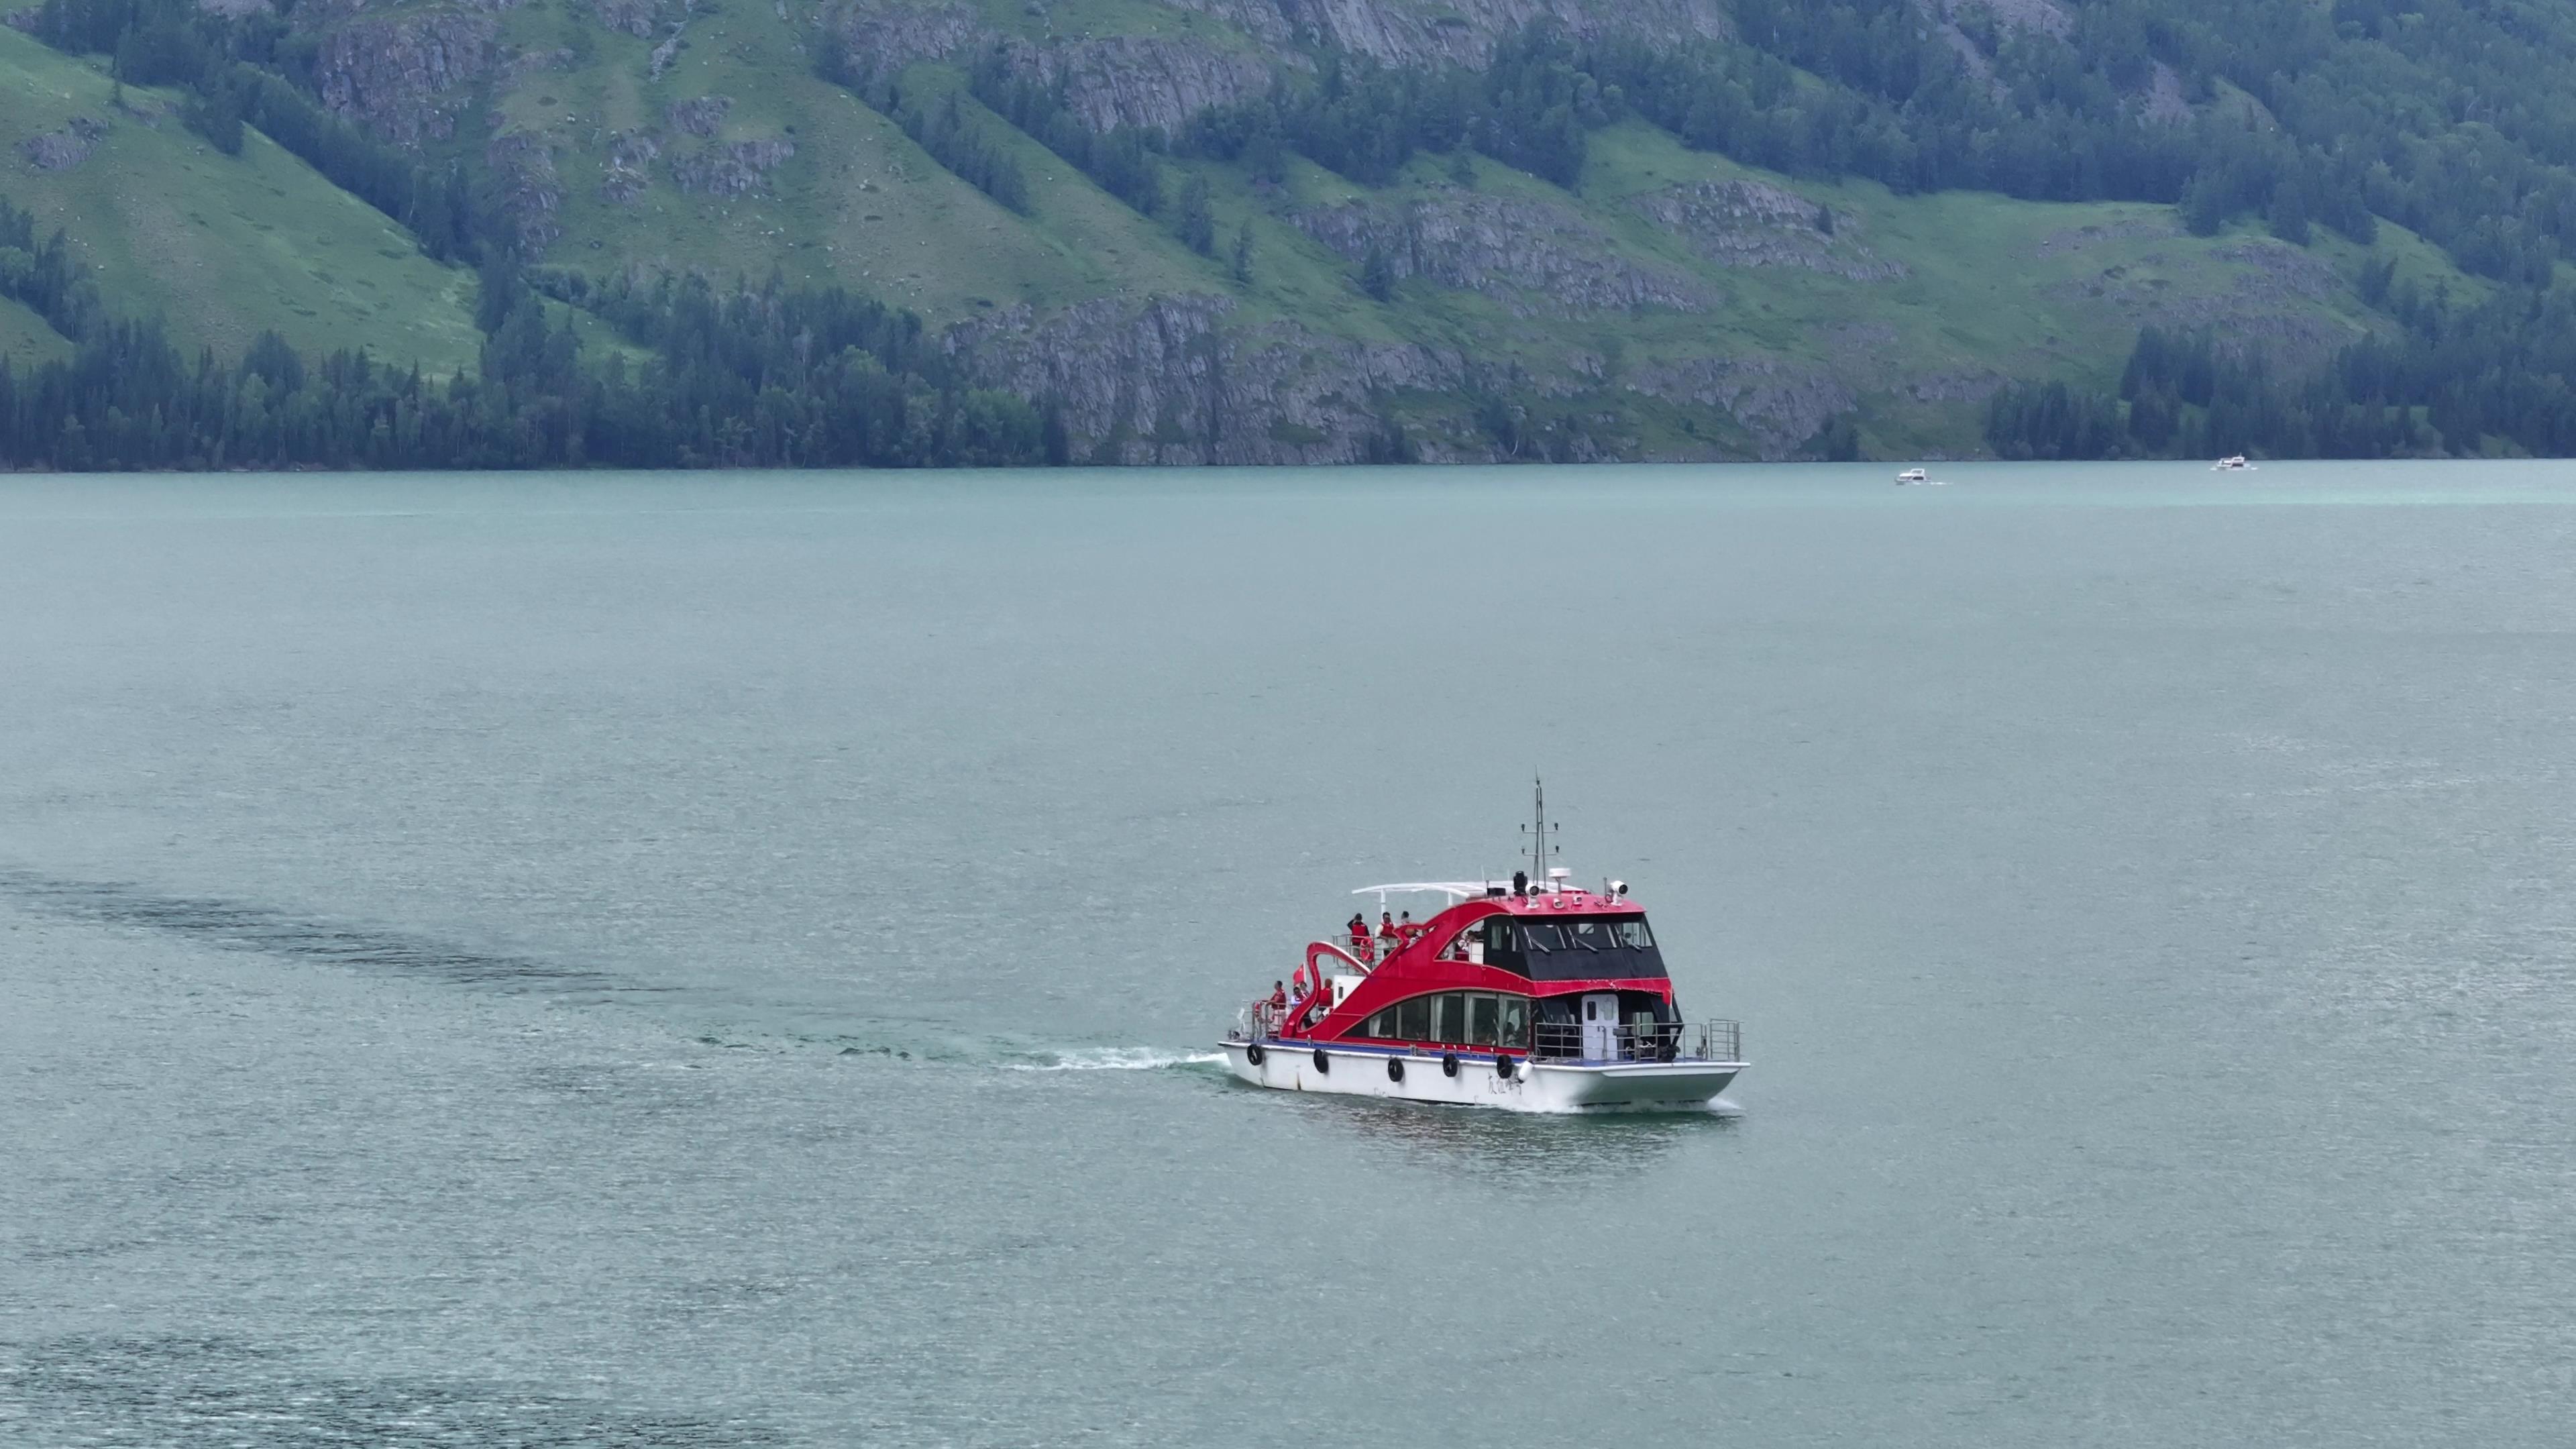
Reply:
x=1990, y=288
x=26, y=339
x=223, y=246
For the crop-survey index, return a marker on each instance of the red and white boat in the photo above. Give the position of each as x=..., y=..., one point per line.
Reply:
x=1537, y=995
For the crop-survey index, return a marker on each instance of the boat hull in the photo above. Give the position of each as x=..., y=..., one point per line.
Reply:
x=1532, y=1087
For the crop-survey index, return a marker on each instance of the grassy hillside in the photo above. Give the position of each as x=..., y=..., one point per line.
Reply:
x=223, y=246
x=1658, y=298
x=25, y=338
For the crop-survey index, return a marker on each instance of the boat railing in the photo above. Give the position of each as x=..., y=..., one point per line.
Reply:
x=1262, y=1021
x=1667, y=1041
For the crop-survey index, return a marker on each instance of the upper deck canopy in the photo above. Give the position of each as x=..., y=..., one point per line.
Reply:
x=1539, y=901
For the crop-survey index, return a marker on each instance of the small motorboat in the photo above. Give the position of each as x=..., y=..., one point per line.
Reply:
x=1538, y=996
x=2232, y=463
x=1913, y=475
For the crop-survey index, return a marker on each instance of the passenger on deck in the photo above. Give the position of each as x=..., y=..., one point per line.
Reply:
x=1360, y=938
x=1406, y=928
x=1386, y=931
x=1278, y=996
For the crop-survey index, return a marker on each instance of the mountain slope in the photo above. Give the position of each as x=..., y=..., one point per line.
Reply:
x=1727, y=228
x=224, y=246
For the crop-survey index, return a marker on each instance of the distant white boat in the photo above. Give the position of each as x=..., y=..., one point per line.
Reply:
x=2233, y=463
x=1913, y=475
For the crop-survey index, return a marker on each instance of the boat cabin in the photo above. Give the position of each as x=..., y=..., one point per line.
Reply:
x=1550, y=972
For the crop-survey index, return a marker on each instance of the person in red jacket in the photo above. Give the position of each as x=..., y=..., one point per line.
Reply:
x=1387, y=939
x=1360, y=938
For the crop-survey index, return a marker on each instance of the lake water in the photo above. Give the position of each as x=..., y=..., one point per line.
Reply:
x=730, y=960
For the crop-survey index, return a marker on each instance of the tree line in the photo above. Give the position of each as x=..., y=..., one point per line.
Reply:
x=2453, y=379
x=741, y=376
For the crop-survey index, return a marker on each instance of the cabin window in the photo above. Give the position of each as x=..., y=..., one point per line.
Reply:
x=1578, y=948
x=1449, y=1018
x=1413, y=1019
x=1456, y=1018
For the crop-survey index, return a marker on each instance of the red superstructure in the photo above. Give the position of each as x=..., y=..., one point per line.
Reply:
x=1529, y=951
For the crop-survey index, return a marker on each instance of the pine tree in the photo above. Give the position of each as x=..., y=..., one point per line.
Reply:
x=1197, y=222
x=1377, y=274
x=1241, y=266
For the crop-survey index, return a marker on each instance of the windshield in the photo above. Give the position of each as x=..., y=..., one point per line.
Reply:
x=1574, y=948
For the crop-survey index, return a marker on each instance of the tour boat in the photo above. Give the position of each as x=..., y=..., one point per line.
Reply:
x=1913, y=475
x=1537, y=995
x=2232, y=463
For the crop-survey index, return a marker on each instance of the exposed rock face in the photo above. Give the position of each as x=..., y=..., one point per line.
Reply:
x=735, y=170
x=628, y=156
x=887, y=35
x=663, y=54
x=523, y=173
x=1168, y=384
x=699, y=117
x=1749, y=224
x=1410, y=32
x=1531, y=256
x=1780, y=403
x=2164, y=100
x=64, y=149
x=1146, y=81
x=638, y=18
x=405, y=77
x=1139, y=80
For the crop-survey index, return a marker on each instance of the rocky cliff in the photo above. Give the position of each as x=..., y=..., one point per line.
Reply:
x=1530, y=256
x=407, y=78
x=1669, y=304
x=1171, y=382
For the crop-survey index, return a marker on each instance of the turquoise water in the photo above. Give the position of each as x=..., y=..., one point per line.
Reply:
x=729, y=960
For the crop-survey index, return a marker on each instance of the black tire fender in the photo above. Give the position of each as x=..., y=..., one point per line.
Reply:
x=1394, y=1070
x=1323, y=1063
x=1448, y=1064
x=1254, y=1054
x=1504, y=1067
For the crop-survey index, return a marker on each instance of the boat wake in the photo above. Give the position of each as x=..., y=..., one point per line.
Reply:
x=234, y=925
x=1117, y=1059
x=252, y=928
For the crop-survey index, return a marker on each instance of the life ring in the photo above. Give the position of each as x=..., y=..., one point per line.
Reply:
x=1254, y=1054
x=1323, y=1063
x=1504, y=1067
x=1448, y=1064
x=1394, y=1070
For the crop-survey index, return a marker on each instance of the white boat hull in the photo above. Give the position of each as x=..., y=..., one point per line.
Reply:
x=1358, y=1071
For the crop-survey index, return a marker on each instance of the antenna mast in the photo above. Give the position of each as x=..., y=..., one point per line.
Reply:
x=1538, y=852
